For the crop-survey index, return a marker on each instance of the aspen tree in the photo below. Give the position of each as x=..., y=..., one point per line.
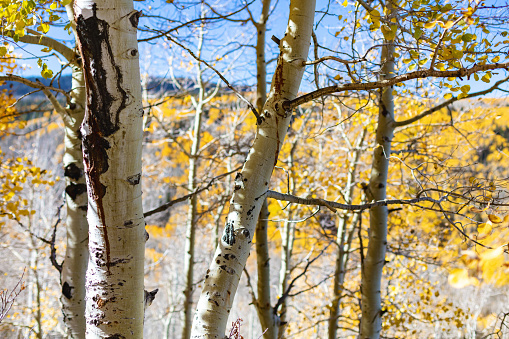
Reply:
x=252, y=182
x=112, y=140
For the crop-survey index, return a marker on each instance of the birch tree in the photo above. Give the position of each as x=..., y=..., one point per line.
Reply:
x=252, y=182
x=112, y=136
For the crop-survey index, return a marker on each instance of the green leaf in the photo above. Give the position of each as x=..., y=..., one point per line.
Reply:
x=467, y=37
x=417, y=33
x=389, y=33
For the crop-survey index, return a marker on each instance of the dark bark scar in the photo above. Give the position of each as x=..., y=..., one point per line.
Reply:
x=106, y=99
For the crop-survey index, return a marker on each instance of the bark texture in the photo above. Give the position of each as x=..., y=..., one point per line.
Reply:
x=371, y=322
x=74, y=266
x=268, y=318
x=112, y=139
x=192, y=214
x=252, y=182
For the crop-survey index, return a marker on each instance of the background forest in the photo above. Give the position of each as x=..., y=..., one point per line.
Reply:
x=387, y=199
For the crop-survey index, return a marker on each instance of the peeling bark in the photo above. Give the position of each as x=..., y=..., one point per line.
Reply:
x=230, y=258
x=112, y=140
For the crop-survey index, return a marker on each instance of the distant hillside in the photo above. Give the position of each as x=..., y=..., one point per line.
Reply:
x=156, y=86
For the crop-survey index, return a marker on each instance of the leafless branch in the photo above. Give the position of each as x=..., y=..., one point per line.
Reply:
x=164, y=207
x=7, y=298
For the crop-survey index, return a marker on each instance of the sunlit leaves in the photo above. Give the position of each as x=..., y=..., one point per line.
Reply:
x=459, y=278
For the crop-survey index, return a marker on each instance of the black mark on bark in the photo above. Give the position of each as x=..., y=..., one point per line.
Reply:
x=134, y=179
x=73, y=190
x=67, y=290
x=73, y=172
x=135, y=18
x=105, y=102
x=229, y=234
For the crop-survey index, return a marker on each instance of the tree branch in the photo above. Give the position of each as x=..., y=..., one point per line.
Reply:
x=35, y=38
x=164, y=207
x=237, y=93
x=34, y=84
x=332, y=205
x=447, y=103
x=462, y=72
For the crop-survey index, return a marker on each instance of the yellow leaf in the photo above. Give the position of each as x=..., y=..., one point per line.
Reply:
x=448, y=24
x=485, y=228
x=494, y=219
x=448, y=96
x=458, y=278
x=475, y=209
x=495, y=59
x=389, y=32
x=345, y=3
x=465, y=88
x=430, y=25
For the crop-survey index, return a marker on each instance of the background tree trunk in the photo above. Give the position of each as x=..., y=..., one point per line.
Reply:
x=112, y=140
x=252, y=182
x=343, y=240
x=371, y=322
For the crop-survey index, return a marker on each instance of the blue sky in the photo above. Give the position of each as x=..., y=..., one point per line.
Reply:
x=155, y=58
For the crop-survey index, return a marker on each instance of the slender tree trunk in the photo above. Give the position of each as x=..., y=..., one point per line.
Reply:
x=343, y=241
x=112, y=140
x=287, y=242
x=251, y=183
x=371, y=322
x=192, y=216
x=267, y=317
x=74, y=266
x=286, y=255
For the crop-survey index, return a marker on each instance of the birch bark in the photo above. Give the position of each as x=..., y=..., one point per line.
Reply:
x=371, y=322
x=74, y=266
x=252, y=182
x=192, y=206
x=112, y=140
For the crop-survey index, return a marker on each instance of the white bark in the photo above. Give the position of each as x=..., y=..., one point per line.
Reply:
x=74, y=266
x=112, y=139
x=252, y=182
x=371, y=322
x=192, y=206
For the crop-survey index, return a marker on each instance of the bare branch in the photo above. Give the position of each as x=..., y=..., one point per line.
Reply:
x=34, y=84
x=332, y=205
x=164, y=207
x=240, y=96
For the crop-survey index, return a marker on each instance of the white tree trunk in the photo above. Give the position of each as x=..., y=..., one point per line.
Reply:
x=74, y=266
x=371, y=322
x=112, y=140
x=251, y=183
